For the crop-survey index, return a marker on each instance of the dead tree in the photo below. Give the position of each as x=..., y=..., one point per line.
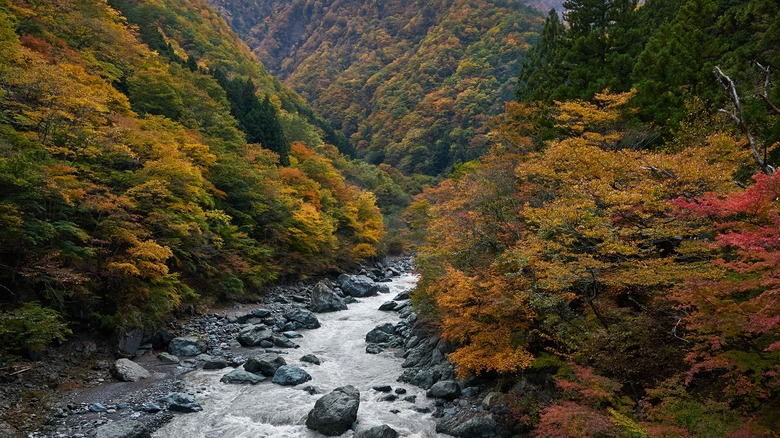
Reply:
x=738, y=116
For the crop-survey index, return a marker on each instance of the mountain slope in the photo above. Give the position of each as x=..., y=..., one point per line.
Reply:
x=127, y=181
x=411, y=84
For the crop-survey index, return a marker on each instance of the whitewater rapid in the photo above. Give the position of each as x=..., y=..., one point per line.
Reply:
x=269, y=410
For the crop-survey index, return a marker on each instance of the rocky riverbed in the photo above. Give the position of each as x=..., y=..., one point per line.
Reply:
x=81, y=390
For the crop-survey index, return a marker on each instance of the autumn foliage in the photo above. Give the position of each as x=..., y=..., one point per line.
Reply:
x=128, y=186
x=628, y=265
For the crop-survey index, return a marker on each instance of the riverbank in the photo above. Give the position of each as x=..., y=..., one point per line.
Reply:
x=72, y=391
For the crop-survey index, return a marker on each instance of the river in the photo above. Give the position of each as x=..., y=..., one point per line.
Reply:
x=269, y=410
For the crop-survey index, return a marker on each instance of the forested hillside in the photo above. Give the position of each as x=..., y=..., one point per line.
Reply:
x=146, y=157
x=409, y=83
x=613, y=261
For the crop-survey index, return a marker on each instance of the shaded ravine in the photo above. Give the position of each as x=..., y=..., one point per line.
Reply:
x=269, y=410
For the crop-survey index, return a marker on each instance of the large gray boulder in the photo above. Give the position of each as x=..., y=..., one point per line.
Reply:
x=181, y=402
x=383, y=431
x=325, y=299
x=121, y=429
x=334, y=413
x=128, y=371
x=240, y=376
x=265, y=364
x=288, y=375
x=446, y=389
x=381, y=334
x=303, y=318
x=186, y=346
x=358, y=286
x=254, y=335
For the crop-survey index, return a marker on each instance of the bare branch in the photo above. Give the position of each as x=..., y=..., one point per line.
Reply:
x=739, y=117
x=765, y=92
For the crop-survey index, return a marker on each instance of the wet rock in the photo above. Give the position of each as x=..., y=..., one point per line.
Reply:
x=167, y=358
x=401, y=296
x=325, y=299
x=254, y=335
x=310, y=358
x=381, y=334
x=388, y=398
x=128, y=371
x=383, y=431
x=181, y=402
x=358, y=286
x=382, y=388
x=305, y=318
x=374, y=349
x=387, y=306
x=383, y=289
x=240, y=376
x=334, y=413
x=288, y=375
x=186, y=346
x=446, y=389
x=284, y=343
x=257, y=314
x=215, y=363
x=400, y=390
x=121, y=429
x=479, y=426
x=292, y=335
x=151, y=408
x=410, y=398
x=265, y=364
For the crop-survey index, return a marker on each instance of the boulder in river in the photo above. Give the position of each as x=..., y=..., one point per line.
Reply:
x=288, y=375
x=283, y=342
x=303, y=317
x=325, y=299
x=265, y=364
x=387, y=306
x=240, y=376
x=186, y=346
x=128, y=371
x=334, y=413
x=358, y=286
x=121, y=429
x=383, y=431
x=181, y=402
x=446, y=389
x=167, y=358
x=215, y=363
x=381, y=334
x=254, y=335
x=310, y=358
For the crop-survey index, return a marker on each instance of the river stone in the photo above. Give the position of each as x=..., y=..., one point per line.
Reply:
x=186, y=346
x=359, y=286
x=387, y=306
x=284, y=342
x=446, y=389
x=128, y=371
x=121, y=429
x=215, y=363
x=288, y=375
x=240, y=376
x=401, y=296
x=383, y=289
x=374, y=349
x=310, y=358
x=381, y=334
x=181, y=402
x=325, y=299
x=334, y=413
x=303, y=317
x=382, y=388
x=383, y=431
x=266, y=364
x=253, y=314
x=167, y=358
x=254, y=335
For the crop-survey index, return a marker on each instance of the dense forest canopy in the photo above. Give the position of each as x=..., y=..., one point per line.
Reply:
x=621, y=236
x=146, y=158
x=410, y=83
